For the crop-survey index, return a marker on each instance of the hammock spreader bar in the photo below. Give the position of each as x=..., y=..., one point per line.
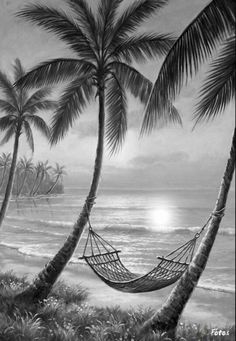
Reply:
x=104, y=260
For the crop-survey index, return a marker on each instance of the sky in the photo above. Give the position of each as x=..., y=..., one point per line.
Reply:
x=171, y=157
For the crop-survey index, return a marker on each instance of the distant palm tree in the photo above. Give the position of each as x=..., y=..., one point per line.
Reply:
x=44, y=172
x=37, y=170
x=213, y=25
x=5, y=162
x=17, y=177
x=58, y=173
x=27, y=167
x=20, y=111
x=105, y=49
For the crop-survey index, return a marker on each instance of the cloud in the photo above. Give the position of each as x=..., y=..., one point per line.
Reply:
x=158, y=159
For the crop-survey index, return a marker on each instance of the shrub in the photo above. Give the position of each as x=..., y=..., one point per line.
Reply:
x=69, y=294
x=65, y=316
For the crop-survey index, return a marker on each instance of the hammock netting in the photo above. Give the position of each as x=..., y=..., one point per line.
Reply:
x=105, y=261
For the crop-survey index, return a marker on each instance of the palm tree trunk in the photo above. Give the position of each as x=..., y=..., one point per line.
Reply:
x=17, y=180
x=22, y=186
x=32, y=189
x=166, y=319
x=53, y=185
x=3, y=176
x=39, y=184
x=43, y=283
x=12, y=172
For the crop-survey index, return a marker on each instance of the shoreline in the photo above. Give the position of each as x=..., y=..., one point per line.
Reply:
x=205, y=307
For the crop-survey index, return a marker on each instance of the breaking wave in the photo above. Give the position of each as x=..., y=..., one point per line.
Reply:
x=218, y=288
x=119, y=227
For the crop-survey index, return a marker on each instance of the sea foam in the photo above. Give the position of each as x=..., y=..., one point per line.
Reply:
x=119, y=227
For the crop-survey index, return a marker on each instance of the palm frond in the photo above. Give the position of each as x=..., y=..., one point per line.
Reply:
x=42, y=105
x=37, y=96
x=139, y=86
x=26, y=164
x=133, y=17
x=195, y=45
x=219, y=87
x=7, y=121
x=55, y=71
x=7, y=107
x=59, y=170
x=8, y=90
x=6, y=158
x=28, y=134
x=59, y=23
x=72, y=102
x=143, y=47
x=106, y=12
x=116, y=126
x=160, y=118
x=8, y=135
x=18, y=70
x=86, y=19
x=39, y=124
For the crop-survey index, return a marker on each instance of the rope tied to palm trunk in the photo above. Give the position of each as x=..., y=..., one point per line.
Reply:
x=214, y=214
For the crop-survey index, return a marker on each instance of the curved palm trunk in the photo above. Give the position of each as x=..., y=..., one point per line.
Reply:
x=34, y=184
x=12, y=173
x=166, y=319
x=39, y=184
x=22, y=185
x=43, y=283
x=53, y=185
x=3, y=176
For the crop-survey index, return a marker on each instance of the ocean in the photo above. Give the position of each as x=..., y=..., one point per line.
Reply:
x=143, y=224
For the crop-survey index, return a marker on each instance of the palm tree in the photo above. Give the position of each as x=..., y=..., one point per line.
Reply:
x=214, y=24
x=58, y=173
x=20, y=111
x=44, y=172
x=5, y=162
x=27, y=167
x=105, y=47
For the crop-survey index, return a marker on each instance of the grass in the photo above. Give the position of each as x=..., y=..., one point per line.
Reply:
x=65, y=316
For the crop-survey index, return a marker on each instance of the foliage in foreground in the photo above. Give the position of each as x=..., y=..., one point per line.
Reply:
x=65, y=316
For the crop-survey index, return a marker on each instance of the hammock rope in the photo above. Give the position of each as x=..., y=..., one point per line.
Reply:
x=104, y=260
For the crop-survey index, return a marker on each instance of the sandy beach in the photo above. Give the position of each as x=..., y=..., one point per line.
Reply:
x=204, y=306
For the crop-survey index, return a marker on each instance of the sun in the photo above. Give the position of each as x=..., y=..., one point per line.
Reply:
x=161, y=216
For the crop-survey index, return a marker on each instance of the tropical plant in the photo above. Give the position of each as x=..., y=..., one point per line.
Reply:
x=26, y=167
x=5, y=162
x=58, y=173
x=44, y=171
x=105, y=47
x=213, y=25
x=20, y=110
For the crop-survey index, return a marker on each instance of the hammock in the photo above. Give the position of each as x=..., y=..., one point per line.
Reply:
x=104, y=260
